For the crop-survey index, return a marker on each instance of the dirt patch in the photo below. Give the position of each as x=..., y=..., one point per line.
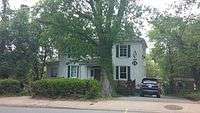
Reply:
x=173, y=107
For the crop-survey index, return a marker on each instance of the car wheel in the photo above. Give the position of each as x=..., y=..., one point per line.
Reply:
x=158, y=95
x=141, y=94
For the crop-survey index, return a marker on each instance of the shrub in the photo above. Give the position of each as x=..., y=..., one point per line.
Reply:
x=9, y=87
x=66, y=88
x=125, y=87
x=195, y=96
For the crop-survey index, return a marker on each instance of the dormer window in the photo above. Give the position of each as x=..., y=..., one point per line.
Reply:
x=123, y=50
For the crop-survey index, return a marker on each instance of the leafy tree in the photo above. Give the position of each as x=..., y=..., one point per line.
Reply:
x=176, y=50
x=19, y=44
x=152, y=68
x=82, y=28
x=5, y=66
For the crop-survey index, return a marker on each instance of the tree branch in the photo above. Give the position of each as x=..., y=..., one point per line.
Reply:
x=86, y=16
x=109, y=14
x=120, y=14
x=84, y=35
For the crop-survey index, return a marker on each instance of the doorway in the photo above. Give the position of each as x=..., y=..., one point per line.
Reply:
x=96, y=73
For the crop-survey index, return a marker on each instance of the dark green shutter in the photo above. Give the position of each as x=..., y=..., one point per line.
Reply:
x=68, y=72
x=129, y=73
x=78, y=72
x=117, y=50
x=129, y=50
x=117, y=72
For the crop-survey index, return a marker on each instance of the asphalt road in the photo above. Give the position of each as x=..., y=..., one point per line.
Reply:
x=50, y=110
x=163, y=99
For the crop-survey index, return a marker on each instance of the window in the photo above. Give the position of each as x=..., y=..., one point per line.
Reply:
x=73, y=71
x=123, y=72
x=123, y=51
x=54, y=71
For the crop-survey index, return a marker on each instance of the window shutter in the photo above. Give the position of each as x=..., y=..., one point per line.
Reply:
x=117, y=72
x=117, y=50
x=129, y=74
x=129, y=50
x=68, y=72
x=78, y=72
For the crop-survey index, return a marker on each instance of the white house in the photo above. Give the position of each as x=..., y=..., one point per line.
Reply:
x=127, y=57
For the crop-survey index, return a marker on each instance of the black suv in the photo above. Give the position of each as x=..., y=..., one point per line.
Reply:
x=150, y=86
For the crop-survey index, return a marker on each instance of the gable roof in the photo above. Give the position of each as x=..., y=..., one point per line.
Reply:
x=136, y=40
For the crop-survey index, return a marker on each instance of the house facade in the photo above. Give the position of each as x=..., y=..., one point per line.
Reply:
x=128, y=59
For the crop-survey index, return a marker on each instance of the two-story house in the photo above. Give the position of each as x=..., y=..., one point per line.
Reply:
x=127, y=57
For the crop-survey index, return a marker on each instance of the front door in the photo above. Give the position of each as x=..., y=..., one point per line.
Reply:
x=96, y=72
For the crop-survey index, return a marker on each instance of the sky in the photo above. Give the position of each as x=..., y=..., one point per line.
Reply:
x=159, y=4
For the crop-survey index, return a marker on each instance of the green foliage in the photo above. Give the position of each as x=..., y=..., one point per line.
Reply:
x=176, y=46
x=66, y=88
x=195, y=96
x=87, y=29
x=10, y=87
x=152, y=68
x=20, y=49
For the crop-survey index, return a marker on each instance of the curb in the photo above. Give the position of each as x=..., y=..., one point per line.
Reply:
x=72, y=108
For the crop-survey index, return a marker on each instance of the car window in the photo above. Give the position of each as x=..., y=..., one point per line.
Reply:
x=149, y=82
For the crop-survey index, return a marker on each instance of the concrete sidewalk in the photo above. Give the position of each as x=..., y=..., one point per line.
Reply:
x=108, y=105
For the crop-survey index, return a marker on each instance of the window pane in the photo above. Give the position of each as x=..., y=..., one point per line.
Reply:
x=74, y=71
x=123, y=50
x=123, y=72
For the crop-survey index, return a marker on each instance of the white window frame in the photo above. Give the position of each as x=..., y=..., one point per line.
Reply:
x=119, y=73
x=123, y=50
x=76, y=69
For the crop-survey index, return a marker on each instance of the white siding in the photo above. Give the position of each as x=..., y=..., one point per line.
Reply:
x=137, y=72
x=84, y=72
x=62, y=67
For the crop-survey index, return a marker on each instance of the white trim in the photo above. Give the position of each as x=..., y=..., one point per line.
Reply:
x=124, y=48
x=119, y=51
x=119, y=78
x=77, y=71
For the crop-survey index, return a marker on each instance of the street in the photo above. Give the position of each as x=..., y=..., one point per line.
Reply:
x=50, y=110
x=134, y=104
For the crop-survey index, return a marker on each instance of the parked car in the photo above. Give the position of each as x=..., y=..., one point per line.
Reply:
x=150, y=86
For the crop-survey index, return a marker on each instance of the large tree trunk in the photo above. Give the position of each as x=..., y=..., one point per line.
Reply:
x=105, y=53
x=106, y=32
x=106, y=85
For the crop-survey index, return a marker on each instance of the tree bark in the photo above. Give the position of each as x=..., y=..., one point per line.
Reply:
x=105, y=53
x=106, y=85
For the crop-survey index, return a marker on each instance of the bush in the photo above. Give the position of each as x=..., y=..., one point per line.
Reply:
x=195, y=96
x=66, y=88
x=125, y=87
x=10, y=87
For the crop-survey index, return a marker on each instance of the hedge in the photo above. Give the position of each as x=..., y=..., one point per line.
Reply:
x=195, y=96
x=66, y=88
x=9, y=87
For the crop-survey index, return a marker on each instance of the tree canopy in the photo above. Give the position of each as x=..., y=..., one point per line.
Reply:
x=86, y=29
x=176, y=47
